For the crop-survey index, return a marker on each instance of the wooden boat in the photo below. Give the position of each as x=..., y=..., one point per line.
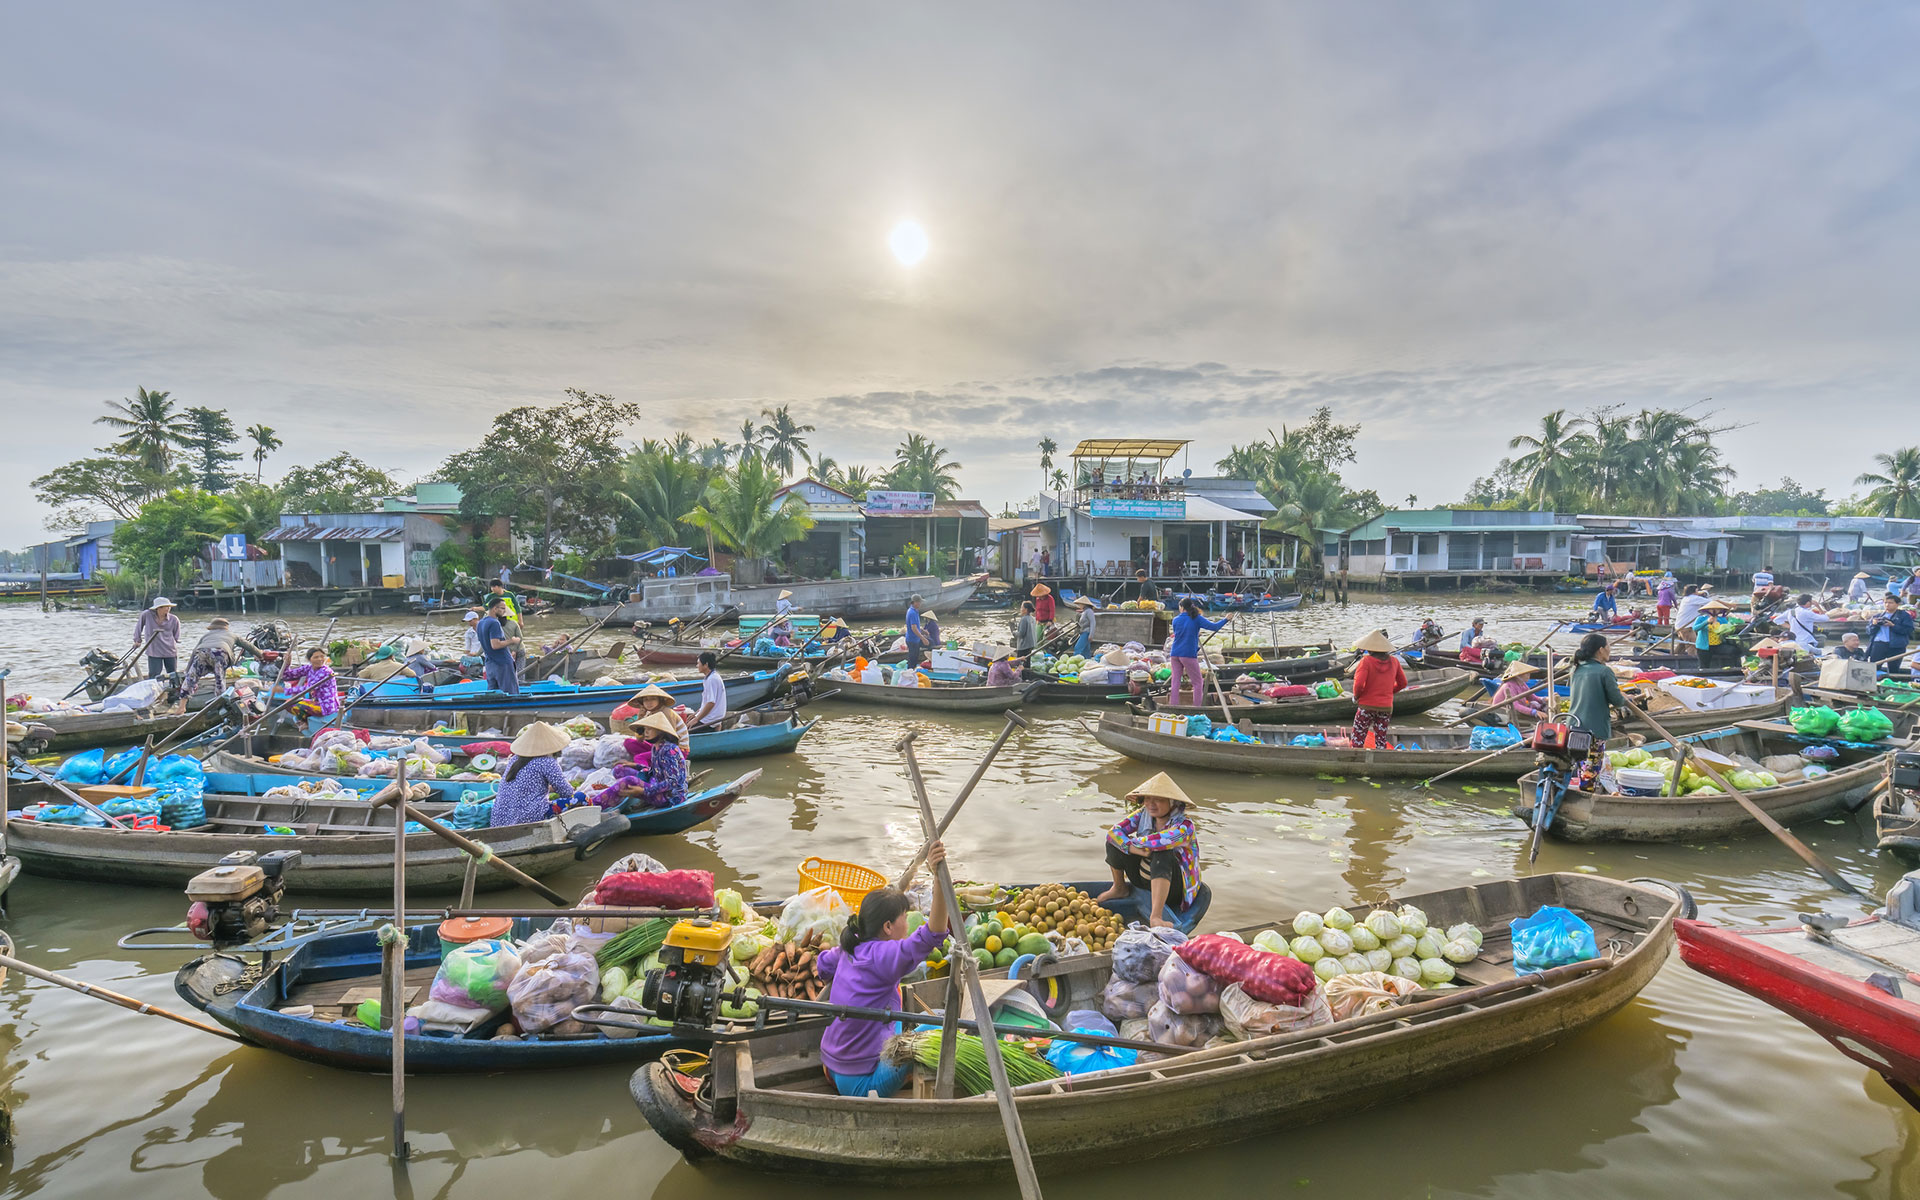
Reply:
x=322, y=971
x=940, y=697
x=1679, y=720
x=1300, y=664
x=9, y=871
x=1425, y=690
x=401, y=695
x=1896, y=823
x=1599, y=817
x=1847, y=984
x=768, y=1102
x=61, y=733
x=1440, y=750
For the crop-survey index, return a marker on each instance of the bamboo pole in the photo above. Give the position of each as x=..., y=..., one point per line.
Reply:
x=1014, y=720
x=112, y=997
x=393, y=1012
x=405, y=811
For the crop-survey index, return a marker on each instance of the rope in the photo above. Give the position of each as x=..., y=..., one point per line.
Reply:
x=250, y=974
x=387, y=935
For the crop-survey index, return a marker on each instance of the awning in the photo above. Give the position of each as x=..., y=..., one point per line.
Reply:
x=661, y=555
x=1246, y=500
x=335, y=533
x=1199, y=508
x=1154, y=448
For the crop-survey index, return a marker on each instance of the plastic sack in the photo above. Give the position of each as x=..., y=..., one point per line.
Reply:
x=1814, y=722
x=1269, y=977
x=1124, y=1001
x=645, y=864
x=1246, y=1017
x=1140, y=952
x=1307, y=739
x=1366, y=992
x=1199, y=725
x=470, y=814
x=1185, y=989
x=1492, y=737
x=545, y=993
x=86, y=767
x=476, y=975
x=1188, y=1031
x=1551, y=937
x=1073, y=1058
x=818, y=909
x=1858, y=724
x=665, y=889
x=1327, y=689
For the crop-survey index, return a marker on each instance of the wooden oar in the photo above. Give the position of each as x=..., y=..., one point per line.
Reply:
x=1014, y=721
x=969, y=971
x=1521, y=744
x=1481, y=712
x=112, y=997
x=1680, y=750
x=390, y=795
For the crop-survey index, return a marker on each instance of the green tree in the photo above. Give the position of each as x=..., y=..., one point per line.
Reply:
x=212, y=432
x=553, y=471
x=1048, y=448
x=1787, y=500
x=749, y=443
x=1059, y=480
x=250, y=508
x=108, y=484
x=1551, y=463
x=741, y=510
x=855, y=480
x=341, y=484
x=658, y=487
x=168, y=532
x=921, y=466
x=265, y=442
x=149, y=428
x=783, y=439
x=1896, y=485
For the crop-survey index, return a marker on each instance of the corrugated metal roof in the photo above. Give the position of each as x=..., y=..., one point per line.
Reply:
x=335, y=533
x=1160, y=448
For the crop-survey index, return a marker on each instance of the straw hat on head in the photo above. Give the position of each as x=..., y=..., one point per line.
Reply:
x=1116, y=657
x=1083, y=602
x=1040, y=589
x=785, y=594
x=652, y=692
x=656, y=721
x=1705, y=587
x=540, y=739
x=1377, y=640
x=1518, y=668
x=1716, y=606
x=1861, y=575
x=416, y=646
x=1160, y=786
x=161, y=602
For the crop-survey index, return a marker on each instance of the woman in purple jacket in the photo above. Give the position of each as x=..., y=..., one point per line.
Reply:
x=876, y=951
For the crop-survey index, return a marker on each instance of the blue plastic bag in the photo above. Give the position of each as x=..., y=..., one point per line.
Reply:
x=1199, y=725
x=471, y=814
x=1307, y=739
x=88, y=766
x=120, y=766
x=1492, y=737
x=1551, y=937
x=1074, y=1058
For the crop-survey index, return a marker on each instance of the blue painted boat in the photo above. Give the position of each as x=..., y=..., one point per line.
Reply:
x=699, y=807
x=322, y=970
x=777, y=733
x=1590, y=627
x=402, y=694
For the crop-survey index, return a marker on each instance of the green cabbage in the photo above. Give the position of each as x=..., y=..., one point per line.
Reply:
x=1308, y=924
x=1401, y=947
x=1427, y=946
x=1363, y=939
x=1459, y=951
x=1328, y=968
x=1307, y=950
x=1412, y=921
x=1379, y=960
x=1435, y=970
x=1336, y=943
x=1270, y=940
x=730, y=902
x=1355, y=963
x=1384, y=924
x=1339, y=918
x=1463, y=930
x=745, y=946
x=1406, y=968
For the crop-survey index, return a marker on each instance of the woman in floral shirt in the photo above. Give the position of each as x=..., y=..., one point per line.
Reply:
x=663, y=780
x=314, y=683
x=1155, y=847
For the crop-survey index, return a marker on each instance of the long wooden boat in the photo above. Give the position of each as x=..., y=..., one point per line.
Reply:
x=1601, y=817
x=1439, y=750
x=9, y=871
x=401, y=695
x=939, y=697
x=320, y=972
x=345, y=845
x=1300, y=664
x=1681, y=720
x=62, y=733
x=1425, y=690
x=769, y=1106
x=1827, y=982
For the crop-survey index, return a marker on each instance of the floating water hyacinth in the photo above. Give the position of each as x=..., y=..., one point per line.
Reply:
x=1333, y=778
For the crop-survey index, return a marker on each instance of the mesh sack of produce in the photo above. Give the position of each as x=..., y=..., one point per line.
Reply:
x=1186, y=989
x=1140, y=952
x=1551, y=937
x=1814, y=722
x=820, y=910
x=664, y=889
x=1246, y=1017
x=470, y=814
x=476, y=975
x=1188, y=1031
x=1366, y=992
x=1123, y=1000
x=545, y=993
x=1270, y=977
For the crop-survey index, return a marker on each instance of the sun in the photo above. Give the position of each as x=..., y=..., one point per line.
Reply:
x=908, y=242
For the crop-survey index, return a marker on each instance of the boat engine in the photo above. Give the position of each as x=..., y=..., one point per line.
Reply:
x=693, y=972
x=238, y=900
x=101, y=668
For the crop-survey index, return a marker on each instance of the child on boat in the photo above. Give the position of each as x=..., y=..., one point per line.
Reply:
x=876, y=951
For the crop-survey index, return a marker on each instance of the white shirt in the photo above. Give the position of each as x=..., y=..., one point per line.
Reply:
x=472, y=644
x=713, y=691
x=1762, y=579
x=1689, y=609
x=1857, y=590
x=1800, y=623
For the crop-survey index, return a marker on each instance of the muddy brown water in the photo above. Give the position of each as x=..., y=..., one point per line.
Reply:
x=1693, y=1090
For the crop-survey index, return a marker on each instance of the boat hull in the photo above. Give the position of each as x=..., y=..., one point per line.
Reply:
x=83, y=731
x=1130, y=736
x=1426, y=690
x=743, y=691
x=941, y=699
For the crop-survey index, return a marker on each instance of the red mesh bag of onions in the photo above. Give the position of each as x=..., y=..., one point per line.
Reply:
x=1274, y=978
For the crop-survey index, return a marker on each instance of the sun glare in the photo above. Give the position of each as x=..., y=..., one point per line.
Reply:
x=908, y=242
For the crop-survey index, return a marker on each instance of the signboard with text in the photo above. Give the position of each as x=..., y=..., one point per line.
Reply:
x=898, y=504
x=1144, y=510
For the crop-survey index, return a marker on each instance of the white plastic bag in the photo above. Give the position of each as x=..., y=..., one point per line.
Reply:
x=635, y=862
x=1366, y=992
x=1186, y=1031
x=610, y=751
x=821, y=909
x=1246, y=1017
x=1124, y=1001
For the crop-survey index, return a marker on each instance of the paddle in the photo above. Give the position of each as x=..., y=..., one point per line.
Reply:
x=111, y=997
x=969, y=971
x=1014, y=721
x=405, y=811
x=1521, y=744
x=1680, y=750
x=1481, y=712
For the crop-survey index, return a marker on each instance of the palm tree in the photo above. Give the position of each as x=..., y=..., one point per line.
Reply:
x=657, y=488
x=265, y=442
x=783, y=438
x=1896, y=485
x=749, y=443
x=742, y=511
x=856, y=480
x=149, y=429
x=825, y=468
x=1315, y=500
x=713, y=454
x=1047, y=448
x=1059, y=480
x=250, y=508
x=921, y=466
x=1550, y=465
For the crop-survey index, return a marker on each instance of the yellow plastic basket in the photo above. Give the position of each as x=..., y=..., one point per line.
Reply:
x=851, y=880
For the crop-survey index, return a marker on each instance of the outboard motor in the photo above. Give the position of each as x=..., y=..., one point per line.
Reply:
x=238, y=900
x=101, y=668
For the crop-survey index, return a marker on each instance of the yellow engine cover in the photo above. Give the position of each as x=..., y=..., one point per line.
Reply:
x=700, y=941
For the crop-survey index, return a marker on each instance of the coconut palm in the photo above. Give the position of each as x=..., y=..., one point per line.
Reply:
x=149, y=428
x=921, y=466
x=1896, y=485
x=657, y=487
x=743, y=511
x=250, y=508
x=749, y=444
x=1551, y=464
x=1047, y=449
x=856, y=480
x=265, y=442
x=782, y=440
x=1059, y=480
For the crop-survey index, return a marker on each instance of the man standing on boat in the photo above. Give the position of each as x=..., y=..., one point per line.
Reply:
x=158, y=631
x=1143, y=588
x=497, y=646
x=915, y=635
x=713, y=694
x=471, y=658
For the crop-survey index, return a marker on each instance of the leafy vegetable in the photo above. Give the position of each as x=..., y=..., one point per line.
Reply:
x=1384, y=925
x=1435, y=970
x=1308, y=924
x=1308, y=950
x=1338, y=918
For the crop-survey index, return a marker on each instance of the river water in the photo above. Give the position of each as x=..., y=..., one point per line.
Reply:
x=1692, y=1090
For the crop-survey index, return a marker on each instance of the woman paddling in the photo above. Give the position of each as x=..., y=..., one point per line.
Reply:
x=1593, y=694
x=1184, y=650
x=877, y=950
x=1155, y=847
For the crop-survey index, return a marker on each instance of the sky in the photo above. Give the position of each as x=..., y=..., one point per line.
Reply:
x=375, y=226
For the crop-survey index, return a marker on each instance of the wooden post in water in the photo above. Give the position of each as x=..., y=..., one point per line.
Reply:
x=395, y=1012
x=6, y=767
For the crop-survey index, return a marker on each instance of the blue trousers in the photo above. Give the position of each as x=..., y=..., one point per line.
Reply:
x=1084, y=643
x=884, y=1080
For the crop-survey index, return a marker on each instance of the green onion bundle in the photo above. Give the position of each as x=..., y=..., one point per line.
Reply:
x=633, y=943
x=970, y=1074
